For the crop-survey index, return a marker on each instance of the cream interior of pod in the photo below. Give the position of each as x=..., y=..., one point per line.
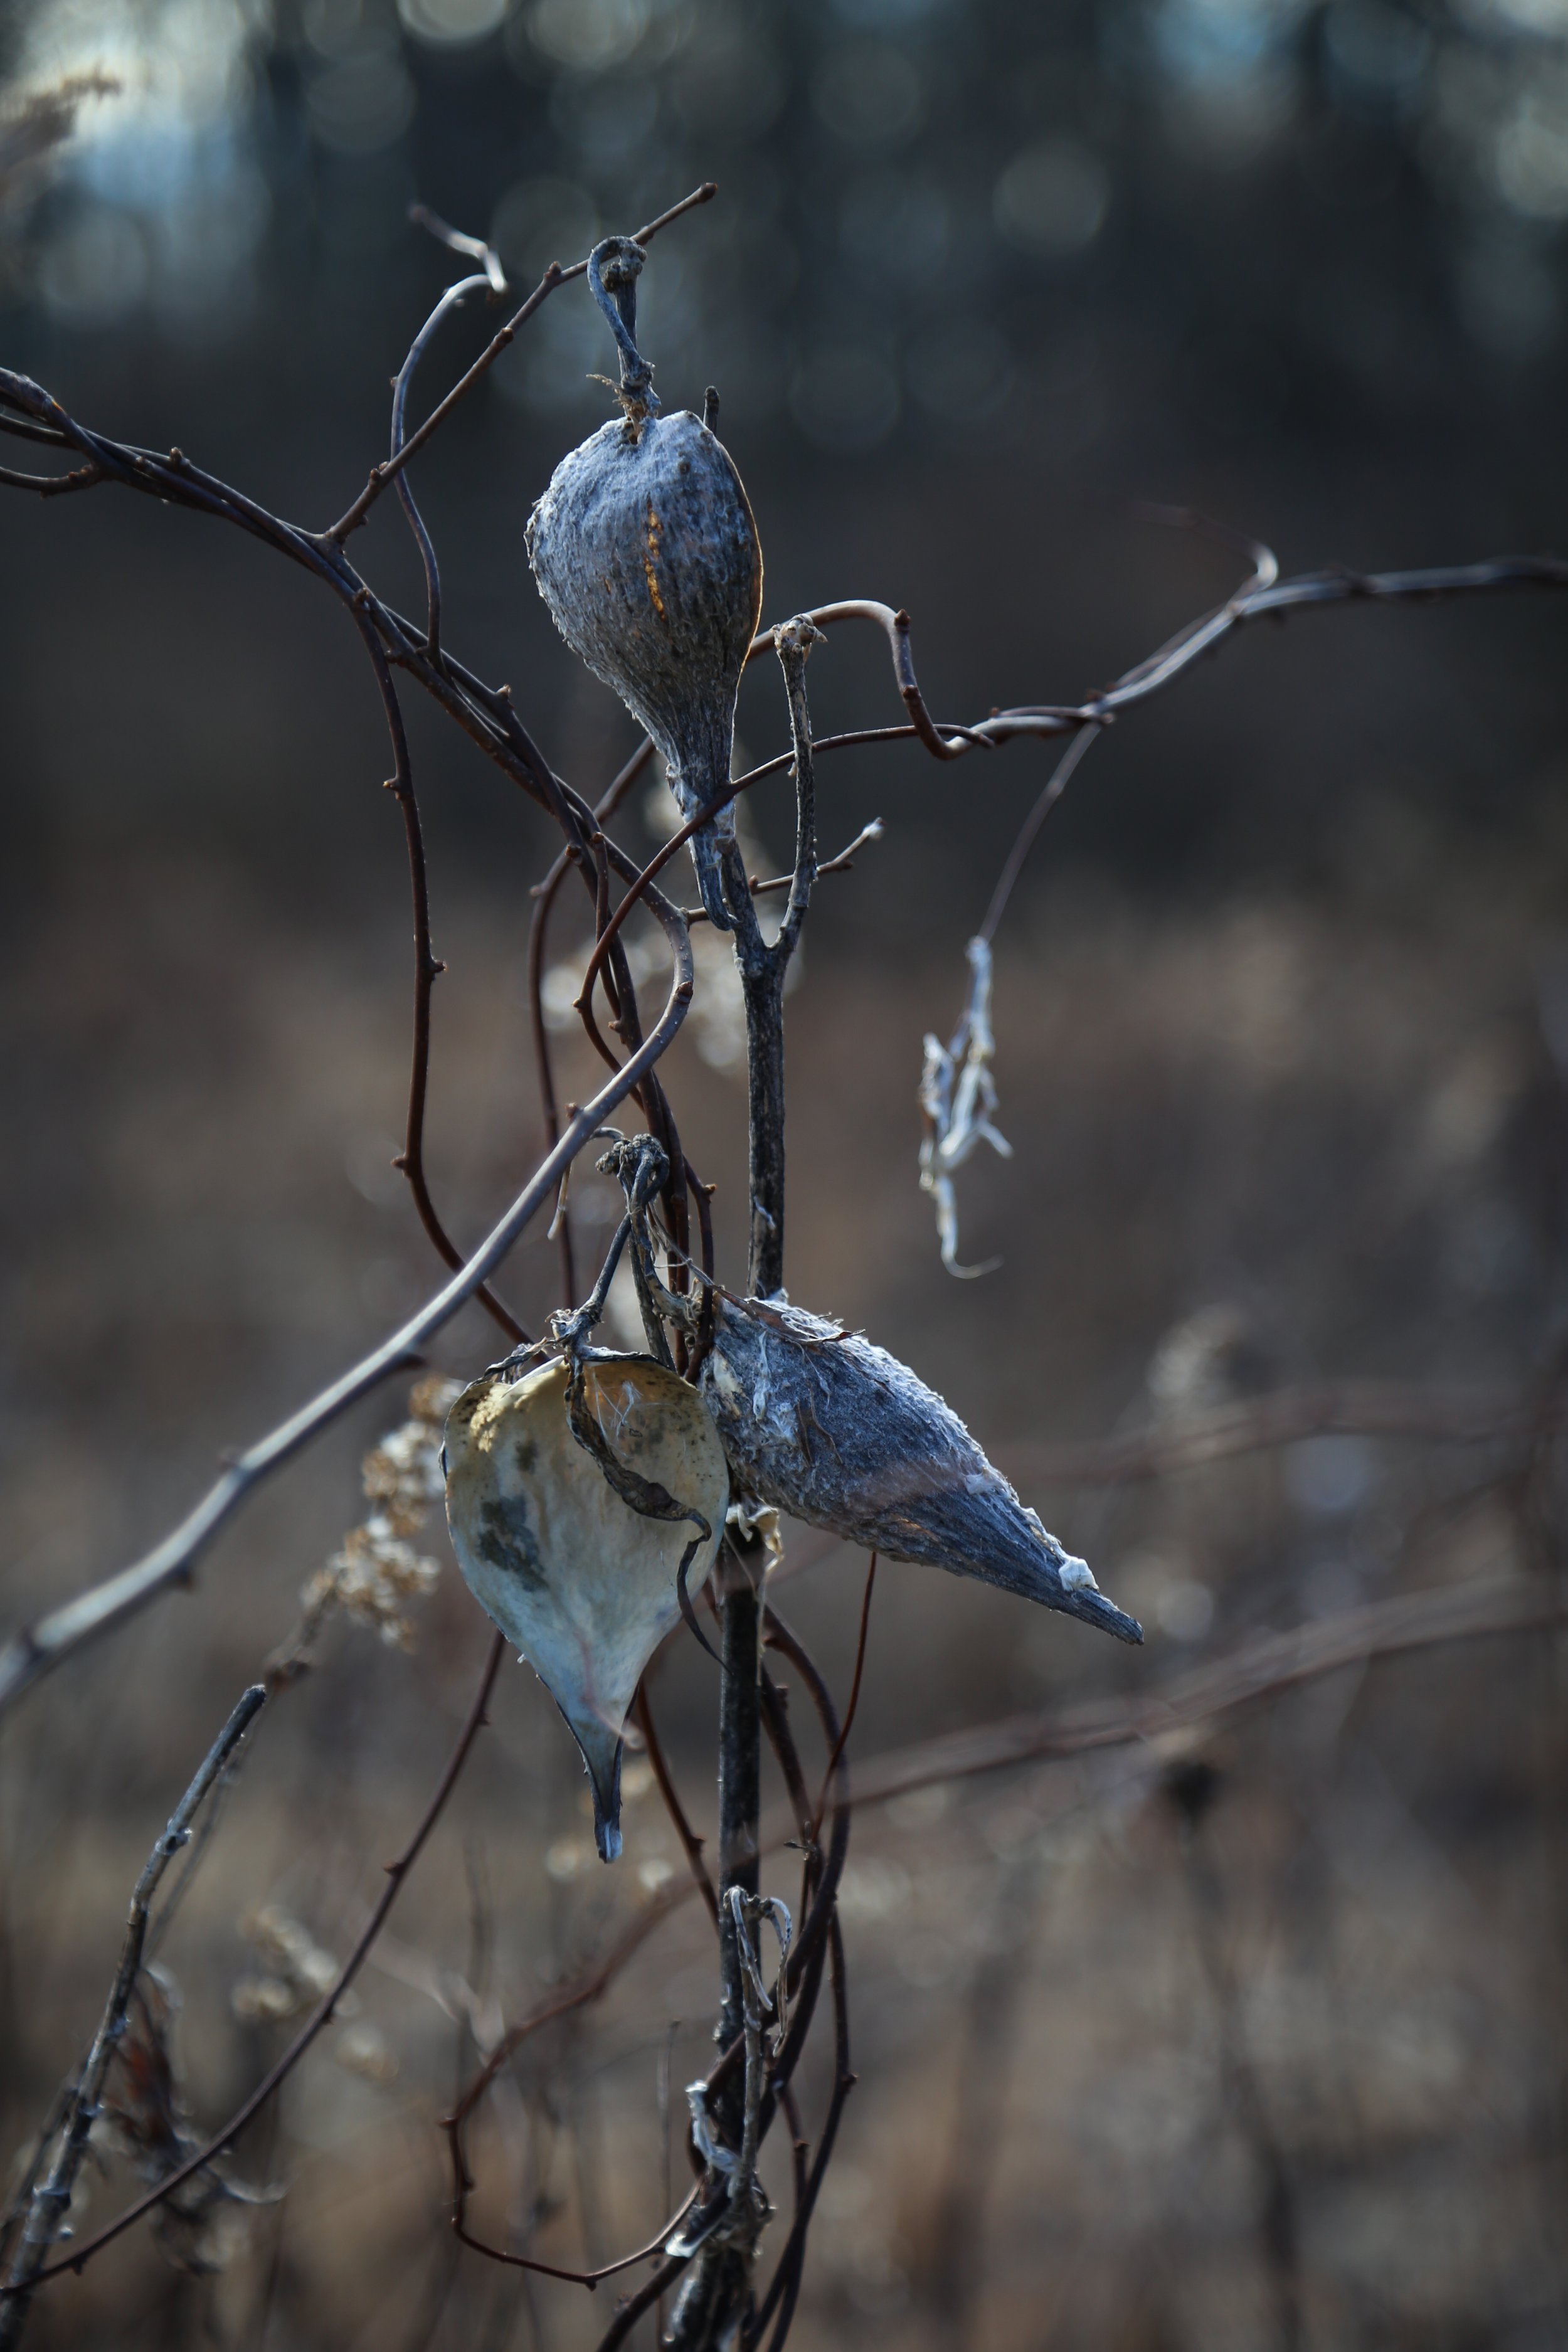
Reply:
x=584, y=1585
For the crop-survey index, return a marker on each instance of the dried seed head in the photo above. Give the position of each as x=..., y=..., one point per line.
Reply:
x=646, y=552
x=582, y=1582
x=824, y=1425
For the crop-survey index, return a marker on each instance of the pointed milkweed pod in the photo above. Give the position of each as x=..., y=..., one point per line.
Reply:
x=824, y=1425
x=645, y=550
x=582, y=1581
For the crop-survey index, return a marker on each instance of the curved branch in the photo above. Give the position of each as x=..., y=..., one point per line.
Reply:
x=54, y=486
x=546, y=894
x=1262, y=593
x=553, y=276
x=51, y=2199
x=34, y=1650
x=428, y=968
x=396, y=1873
x=450, y=300
x=572, y=2278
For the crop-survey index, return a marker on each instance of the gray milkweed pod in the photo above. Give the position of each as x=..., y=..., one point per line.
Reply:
x=646, y=552
x=824, y=1425
x=582, y=1581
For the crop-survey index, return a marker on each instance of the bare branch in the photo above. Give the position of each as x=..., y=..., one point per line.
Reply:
x=33, y=1651
x=1348, y=1408
x=843, y=864
x=553, y=276
x=396, y=1874
x=1260, y=1669
x=52, y=2197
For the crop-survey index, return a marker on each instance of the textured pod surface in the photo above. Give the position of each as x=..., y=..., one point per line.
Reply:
x=584, y=1585
x=647, y=554
x=821, y=1424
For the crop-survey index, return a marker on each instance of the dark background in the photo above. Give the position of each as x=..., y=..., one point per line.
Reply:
x=977, y=278
x=1282, y=1033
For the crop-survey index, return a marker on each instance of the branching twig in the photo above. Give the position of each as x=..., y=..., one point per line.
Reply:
x=428, y=968
x=35, y=1650
x=51, y=2198
x=553, y=276
x=843, y=864
x=750, y=2082
x=690, y=1843
x=396, y=1875
x=842, y=1740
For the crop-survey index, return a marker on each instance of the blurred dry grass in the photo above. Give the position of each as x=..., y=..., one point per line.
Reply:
x=1257, y=1143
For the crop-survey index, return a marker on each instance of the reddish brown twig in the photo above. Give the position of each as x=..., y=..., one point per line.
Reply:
x=396, y=1875
x=553, y=276
x=427, y=969
x=690, y=1843
x=544, y=898
x=842, y=1740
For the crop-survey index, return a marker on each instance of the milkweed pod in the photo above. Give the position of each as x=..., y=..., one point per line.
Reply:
x=824, y=1425
x=645, y=551
x=584, y=1584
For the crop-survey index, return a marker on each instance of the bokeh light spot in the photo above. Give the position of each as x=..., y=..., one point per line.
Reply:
x=869, y=94
x=453, y=21
x=588, y=34
x=731, y=84
x=361, y=104
x=1052, y=199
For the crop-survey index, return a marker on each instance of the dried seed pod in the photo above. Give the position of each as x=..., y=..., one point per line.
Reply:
x=646, y=552
x=822, y=1424
x=584, y=1583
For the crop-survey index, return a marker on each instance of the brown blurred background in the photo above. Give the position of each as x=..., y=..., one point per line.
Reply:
x=1254, y=2042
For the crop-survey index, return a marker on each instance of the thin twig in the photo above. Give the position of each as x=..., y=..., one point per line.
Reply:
x=843, y=864
x=553, y=276
x=1055, y=785
x=1347, y=1408
x=1260, y=1669
x=428, y=968
x=690, y=1843
x=51, y=2198
x=452, y=299
x=545, y=895
x=841, y=1742
x=33, y=1651
x=785, y=2287
x=396, y=1875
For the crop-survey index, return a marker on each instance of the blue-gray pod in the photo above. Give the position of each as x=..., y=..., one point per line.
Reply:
x=824, y=1425
x=645, y=551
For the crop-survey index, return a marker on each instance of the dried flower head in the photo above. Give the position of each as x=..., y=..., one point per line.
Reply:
x=376, y=1571
x=296, y=1971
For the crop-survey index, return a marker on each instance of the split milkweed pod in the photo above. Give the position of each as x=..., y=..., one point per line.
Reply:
x=645, y=550
x=583, y=1582
x=818, y=1421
